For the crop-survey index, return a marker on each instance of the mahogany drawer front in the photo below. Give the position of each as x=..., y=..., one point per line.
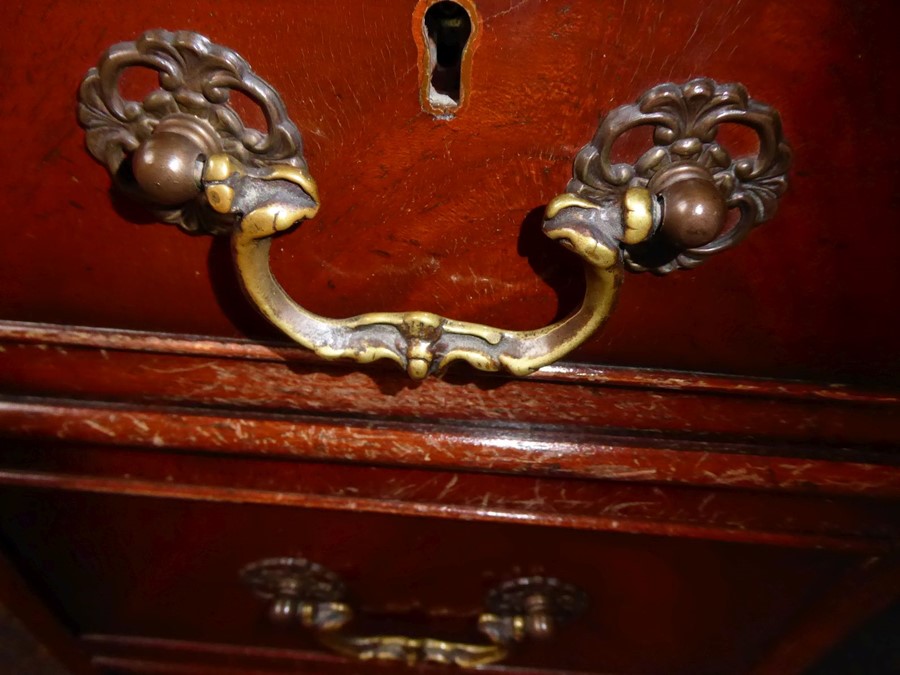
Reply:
x=255, y=450
x=454, y=224
x=163, y=568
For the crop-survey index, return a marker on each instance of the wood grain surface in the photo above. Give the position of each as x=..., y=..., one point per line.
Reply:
x=114, y=388
x=420, y=213
x=718, y=468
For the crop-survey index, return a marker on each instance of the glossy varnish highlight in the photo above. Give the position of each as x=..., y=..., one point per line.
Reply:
x=718, y=468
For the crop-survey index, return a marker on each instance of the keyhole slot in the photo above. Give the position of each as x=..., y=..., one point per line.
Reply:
x=447, y=29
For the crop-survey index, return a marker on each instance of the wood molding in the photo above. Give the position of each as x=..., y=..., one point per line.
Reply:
x=24, y=333
x=126, y=654
x=533, y=451
x=137, y=368
x=780, y=519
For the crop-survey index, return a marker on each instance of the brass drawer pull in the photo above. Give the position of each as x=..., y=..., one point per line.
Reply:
x=303, y=591
x=185, y=151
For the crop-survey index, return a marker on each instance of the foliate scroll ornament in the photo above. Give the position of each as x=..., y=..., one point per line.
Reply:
x=528, y=607
x=686, y=119
x=196, y=78
x=299, y=589
x=185, y=152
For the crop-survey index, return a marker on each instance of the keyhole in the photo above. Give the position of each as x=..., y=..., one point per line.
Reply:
x=447, y=31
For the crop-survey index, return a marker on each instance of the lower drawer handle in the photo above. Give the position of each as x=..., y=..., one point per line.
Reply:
x=303, y=591
x=185, y=151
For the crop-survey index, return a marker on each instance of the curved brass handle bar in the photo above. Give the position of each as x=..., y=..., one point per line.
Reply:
x=312, y=595
x=421, y=342
x=413, y=650
x=185, y=150
x=273, y=200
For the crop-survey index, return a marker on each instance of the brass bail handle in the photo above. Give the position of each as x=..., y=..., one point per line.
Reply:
x=300, y=591
x=185, y=152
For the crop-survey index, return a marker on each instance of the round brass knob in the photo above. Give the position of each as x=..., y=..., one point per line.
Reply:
x=168, y=168
x=539, y=621
x=693, y=207
x=186, y=150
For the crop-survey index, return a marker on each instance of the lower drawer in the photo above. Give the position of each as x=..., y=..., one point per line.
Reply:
x=145, y=567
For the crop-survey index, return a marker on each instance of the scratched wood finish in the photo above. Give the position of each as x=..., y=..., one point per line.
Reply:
x=750, y=516
x=710, y=516
x=444, y=216
x=627, y=425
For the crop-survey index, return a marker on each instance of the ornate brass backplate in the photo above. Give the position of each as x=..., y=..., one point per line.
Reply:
x=303, y=591
x=687, y=164
x=185, y=151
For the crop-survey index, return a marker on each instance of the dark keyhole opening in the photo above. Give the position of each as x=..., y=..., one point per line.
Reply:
x=448, y=27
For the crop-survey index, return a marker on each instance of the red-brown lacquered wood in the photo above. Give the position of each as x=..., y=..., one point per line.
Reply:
x=863, y=592
x=500, y=449
x=110, y=340
x=845, y=523
x=169, y=569
x=420, y=213
x=132, y=477
x=117, y=655
x=615, y=423
x=17, y=599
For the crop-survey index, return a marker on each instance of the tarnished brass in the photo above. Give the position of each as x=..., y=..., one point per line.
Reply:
x=196, y=78
x=686, y=119
x=640, y=215
x=184, y=150
x=528, y=607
